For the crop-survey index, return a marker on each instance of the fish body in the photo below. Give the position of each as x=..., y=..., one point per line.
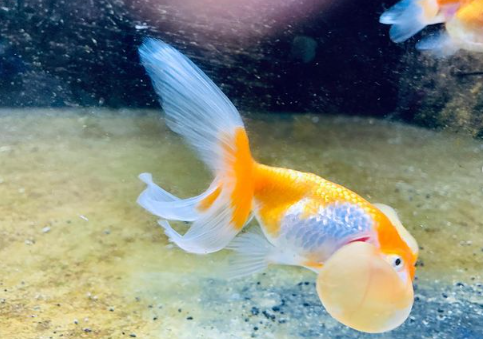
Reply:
x=463, y=20
x=304, y=219
x=313, y=217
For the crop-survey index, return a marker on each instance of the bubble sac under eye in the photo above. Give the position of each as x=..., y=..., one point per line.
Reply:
x=360, y=289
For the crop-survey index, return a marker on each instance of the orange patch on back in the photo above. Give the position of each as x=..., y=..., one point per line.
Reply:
x=276, y=189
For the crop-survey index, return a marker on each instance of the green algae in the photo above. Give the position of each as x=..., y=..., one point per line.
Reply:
x=81, y=259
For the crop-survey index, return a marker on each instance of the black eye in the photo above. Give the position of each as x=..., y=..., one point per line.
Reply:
x=397, y=262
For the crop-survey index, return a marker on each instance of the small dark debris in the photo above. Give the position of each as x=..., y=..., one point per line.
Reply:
x=87, y=330
x=189, y=318
x=419, y=263
x=179, y=310
x=268, y=315
x=132, y=335
x=255, y=310
x=255, y=328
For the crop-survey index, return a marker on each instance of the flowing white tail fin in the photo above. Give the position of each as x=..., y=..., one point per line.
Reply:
x=196, y=109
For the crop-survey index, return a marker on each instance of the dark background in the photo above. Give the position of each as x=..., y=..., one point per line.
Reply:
x=84, y=53
x=318, y=56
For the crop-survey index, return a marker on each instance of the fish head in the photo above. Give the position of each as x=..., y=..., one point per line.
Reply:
x=396, y=240
x=365, y=288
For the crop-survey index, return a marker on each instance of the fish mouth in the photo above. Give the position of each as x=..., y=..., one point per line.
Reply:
x=361, y=290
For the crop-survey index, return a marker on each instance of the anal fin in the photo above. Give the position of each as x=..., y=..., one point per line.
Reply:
x=254, y=253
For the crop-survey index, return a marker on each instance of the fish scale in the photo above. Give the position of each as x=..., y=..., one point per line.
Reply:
x=322, y=233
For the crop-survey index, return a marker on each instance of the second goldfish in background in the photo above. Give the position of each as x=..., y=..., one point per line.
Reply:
x=463, y=22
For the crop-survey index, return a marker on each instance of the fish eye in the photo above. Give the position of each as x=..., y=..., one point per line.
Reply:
x=396, y=262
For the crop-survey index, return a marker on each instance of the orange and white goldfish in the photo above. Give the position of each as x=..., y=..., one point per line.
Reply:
x=463, y=21
x=362, y=254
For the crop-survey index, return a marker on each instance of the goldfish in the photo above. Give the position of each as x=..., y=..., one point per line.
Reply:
x=463, y=20
x=362, y=255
